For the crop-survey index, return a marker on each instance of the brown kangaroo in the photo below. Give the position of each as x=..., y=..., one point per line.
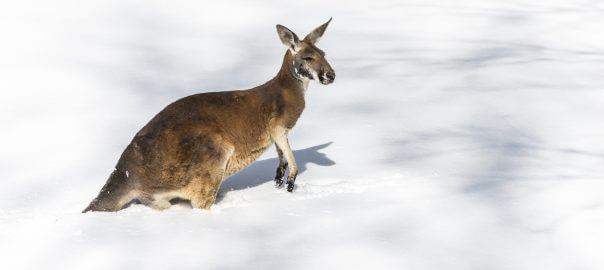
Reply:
x=192, y=145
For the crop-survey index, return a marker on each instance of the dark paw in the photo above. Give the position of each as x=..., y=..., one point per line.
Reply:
x=290, y=186
x=278, y=182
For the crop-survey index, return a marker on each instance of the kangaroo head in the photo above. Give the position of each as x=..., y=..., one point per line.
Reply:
x=308, y=61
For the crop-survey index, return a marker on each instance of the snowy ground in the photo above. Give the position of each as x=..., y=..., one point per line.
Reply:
x=458, y=134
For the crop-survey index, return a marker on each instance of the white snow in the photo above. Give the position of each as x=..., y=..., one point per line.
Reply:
x=457, y=135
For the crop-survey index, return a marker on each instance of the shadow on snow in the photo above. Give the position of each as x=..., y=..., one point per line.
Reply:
x=263, y=171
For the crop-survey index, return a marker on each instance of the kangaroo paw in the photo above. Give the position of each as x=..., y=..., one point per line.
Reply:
x=278, y=183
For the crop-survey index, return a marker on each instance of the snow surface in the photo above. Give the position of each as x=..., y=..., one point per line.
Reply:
x=457, y=135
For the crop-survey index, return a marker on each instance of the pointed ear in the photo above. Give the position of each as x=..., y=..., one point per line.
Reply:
x=288, y=38
x=316, y=34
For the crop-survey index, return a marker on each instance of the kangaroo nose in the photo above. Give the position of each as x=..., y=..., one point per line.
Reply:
x=331, y=75
x=327, y=77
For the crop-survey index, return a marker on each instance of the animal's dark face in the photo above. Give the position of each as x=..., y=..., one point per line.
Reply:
x=309, y=61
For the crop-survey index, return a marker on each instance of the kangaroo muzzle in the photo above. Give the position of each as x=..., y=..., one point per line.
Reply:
x=327, y=77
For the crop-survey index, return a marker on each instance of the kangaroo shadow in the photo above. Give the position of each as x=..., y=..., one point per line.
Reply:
x=263, y=171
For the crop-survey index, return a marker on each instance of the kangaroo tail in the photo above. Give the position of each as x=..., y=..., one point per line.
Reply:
x=114, y=194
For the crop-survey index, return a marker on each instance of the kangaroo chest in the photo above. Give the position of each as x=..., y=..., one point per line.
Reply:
x=285, y=109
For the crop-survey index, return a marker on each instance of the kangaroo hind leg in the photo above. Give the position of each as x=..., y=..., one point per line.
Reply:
x=208, y=177
x=155, y=202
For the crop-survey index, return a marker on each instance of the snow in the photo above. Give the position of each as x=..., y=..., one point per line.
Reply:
x=457, y=135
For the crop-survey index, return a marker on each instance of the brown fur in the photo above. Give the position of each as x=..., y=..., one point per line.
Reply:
x=189, y=147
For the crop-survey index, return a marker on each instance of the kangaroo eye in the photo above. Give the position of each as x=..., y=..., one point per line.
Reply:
x=308, y=58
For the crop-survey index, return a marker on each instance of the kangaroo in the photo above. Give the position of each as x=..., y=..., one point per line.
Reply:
x=192, y=145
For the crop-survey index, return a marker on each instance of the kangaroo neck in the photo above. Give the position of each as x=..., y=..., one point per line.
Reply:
x=287, y=77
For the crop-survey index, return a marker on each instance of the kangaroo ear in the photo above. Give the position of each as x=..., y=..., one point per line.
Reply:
x=316, y=34
x=288, y=38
